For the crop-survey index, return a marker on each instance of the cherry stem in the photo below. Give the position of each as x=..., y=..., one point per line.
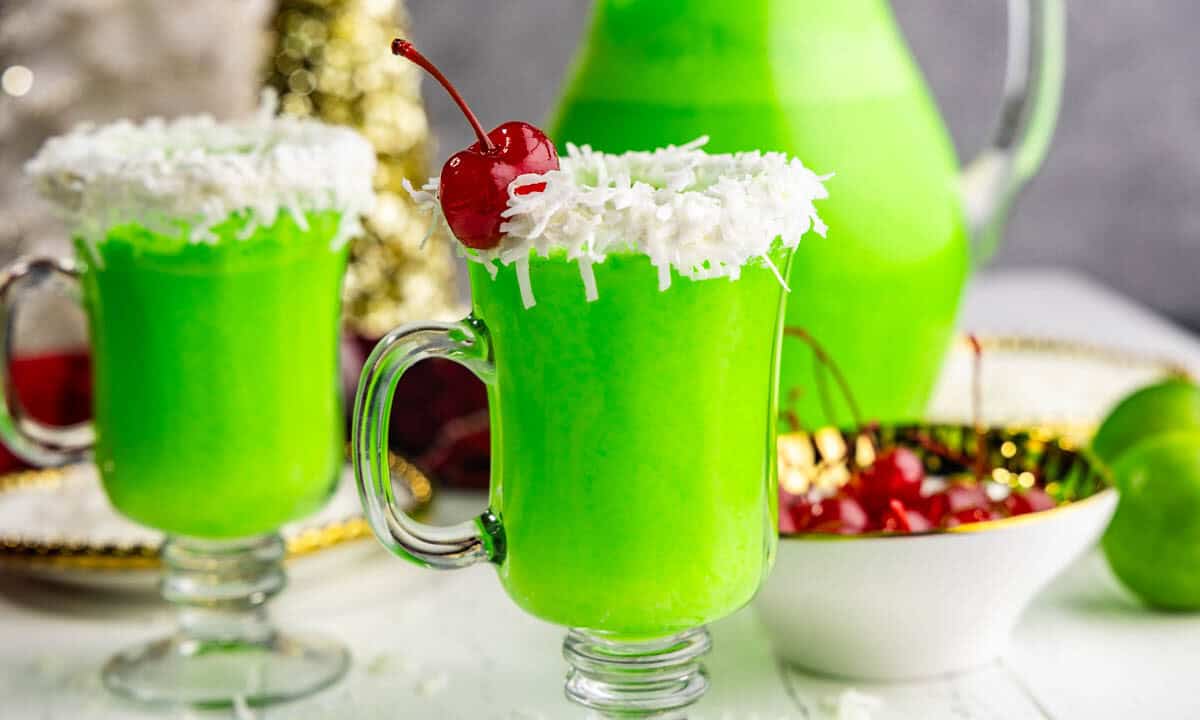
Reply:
x=788, y=414
x=901, y=514
x=977, y=405
x=405, y=49
x=939, y=449
x=824, y=358
x=823, y=393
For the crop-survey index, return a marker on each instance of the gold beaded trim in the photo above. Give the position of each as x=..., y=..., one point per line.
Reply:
x=77, y=555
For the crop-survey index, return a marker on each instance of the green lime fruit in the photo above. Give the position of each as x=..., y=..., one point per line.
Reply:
x=1153, y=542
x=1167, y=406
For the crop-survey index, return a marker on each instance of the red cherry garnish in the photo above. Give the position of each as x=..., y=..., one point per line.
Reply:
x=900, y=519
x=897, y=474
x=474, y=182
x=969, y=515
x=795, y=517
x=1028, y=501
x=942, y=506
x=787, y=502
x=917, y=522
x=838, y=515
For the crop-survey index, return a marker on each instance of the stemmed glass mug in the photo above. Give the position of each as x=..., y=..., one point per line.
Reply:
x=633, y=463
x=209, y=261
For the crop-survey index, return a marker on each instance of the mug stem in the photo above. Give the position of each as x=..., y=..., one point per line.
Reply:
x=225, y=651
x=636, y=678
x=221, y=588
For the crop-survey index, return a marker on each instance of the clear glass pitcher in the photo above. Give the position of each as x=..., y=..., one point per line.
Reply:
x=835, y=84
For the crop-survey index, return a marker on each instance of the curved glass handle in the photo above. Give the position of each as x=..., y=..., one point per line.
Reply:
x=450, y=547
x=31, y=440
x=1032, y=91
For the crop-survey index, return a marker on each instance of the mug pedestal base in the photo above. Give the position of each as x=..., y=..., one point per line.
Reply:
x=225, y=652
x=655, y=678
x=183, y=671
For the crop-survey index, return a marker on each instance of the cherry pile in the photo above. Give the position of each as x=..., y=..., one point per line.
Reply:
x=893, y=493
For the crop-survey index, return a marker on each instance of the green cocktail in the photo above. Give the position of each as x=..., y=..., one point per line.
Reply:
x=628, y=327
x=633, y=460
x=209, y=259
x=216, y=374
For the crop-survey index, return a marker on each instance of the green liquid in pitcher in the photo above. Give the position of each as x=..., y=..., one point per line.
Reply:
x=833, y=84
x=216, y=375
x=633, y=460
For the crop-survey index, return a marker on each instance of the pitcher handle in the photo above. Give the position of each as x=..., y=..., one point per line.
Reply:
x=29, y=439
x=1032, y=92
x=445, y=548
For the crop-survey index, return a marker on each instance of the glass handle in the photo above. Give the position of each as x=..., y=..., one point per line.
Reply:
x=31, y=440
x=1032, y=92
x=451, y=547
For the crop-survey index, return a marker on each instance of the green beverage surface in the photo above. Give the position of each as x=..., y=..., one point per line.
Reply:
x=833, y=84
x=633, y=460
x=216, y=375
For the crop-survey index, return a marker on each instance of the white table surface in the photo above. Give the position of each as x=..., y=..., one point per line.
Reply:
x=451, y=645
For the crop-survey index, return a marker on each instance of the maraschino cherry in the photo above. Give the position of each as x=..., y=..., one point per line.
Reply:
x=838, y=515
x=959, y=503
x=474, y=182
x=900, y=519
x=1023, y=502
x=897, y=474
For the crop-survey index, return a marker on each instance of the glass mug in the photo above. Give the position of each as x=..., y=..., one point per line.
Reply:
x=633, y=461
x=216, y=422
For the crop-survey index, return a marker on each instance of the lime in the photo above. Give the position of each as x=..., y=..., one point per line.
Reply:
x=1167, y=406
x=1153, y=542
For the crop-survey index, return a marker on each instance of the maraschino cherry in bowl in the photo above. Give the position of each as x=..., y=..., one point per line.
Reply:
x=911, y=551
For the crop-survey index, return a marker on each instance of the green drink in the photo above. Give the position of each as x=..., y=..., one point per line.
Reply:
x=216, y=375
x=635, y=480
x=834, y=83
x=209, y=259
x=628, y=327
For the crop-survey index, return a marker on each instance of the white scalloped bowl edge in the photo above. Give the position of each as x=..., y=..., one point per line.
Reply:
x=901, y=608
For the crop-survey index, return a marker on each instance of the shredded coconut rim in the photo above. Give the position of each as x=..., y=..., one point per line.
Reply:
x=698, y=214
x=195, y=173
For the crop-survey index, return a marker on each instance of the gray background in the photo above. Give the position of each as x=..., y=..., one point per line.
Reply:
x=1118, y=198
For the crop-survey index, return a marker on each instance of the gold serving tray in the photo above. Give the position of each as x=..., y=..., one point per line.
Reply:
x=118, y=554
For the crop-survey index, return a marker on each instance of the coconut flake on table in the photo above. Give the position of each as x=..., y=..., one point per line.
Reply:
x=850, y=704
x=200, y=172
x=698, y=214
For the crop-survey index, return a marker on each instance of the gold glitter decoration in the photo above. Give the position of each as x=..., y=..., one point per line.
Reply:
x=864, y=451
x=330, y=59
x=830, y=443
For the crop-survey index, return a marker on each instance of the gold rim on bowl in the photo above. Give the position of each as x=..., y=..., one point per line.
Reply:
x=1078, y=349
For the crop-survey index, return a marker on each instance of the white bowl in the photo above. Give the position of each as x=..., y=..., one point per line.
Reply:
x=899, y=607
